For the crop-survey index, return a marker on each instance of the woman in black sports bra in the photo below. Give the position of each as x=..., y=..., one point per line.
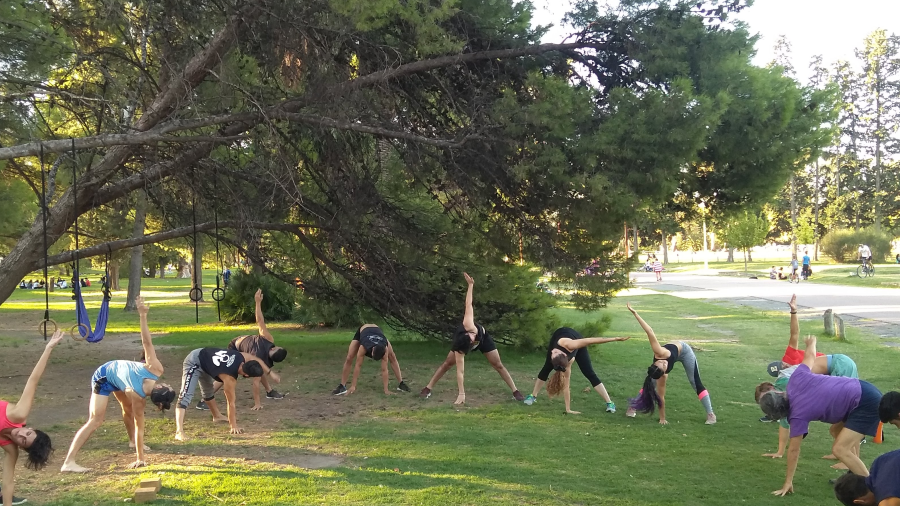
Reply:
x=369, y=341
x=567, y=346
x=664, y=358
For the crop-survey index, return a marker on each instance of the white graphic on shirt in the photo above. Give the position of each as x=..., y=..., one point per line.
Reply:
x=223, y=356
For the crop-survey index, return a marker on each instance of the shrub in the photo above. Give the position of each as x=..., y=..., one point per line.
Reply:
x=239, y=306
x=842, y=244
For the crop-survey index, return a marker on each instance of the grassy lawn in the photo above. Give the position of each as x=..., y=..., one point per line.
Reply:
x=403, y=450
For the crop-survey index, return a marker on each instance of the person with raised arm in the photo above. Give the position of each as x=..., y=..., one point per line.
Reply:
x=14, y=435
x=567, y=346
x=664, y=358
x=468, y=337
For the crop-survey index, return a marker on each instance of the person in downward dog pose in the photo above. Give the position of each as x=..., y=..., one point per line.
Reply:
x=369, y=341
x=468, y=337
x=664, y=358
x=203, y=365
x=261, y=346
x=131, y=383
x=826, y=399
x=14, y=435
x=830, y=365
x=567, y=346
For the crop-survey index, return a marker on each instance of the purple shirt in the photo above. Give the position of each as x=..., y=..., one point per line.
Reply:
x=819, y=397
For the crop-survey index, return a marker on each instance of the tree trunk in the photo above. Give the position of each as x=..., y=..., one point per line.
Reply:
x=730, y=254
x=113, y=275
x=816, y=225
x=793, y=215
x=665, y=249
x=637, y=242
x=749, y=255
x=627, y=250
x=152, y=268
x=163, y=263
x=746, y=254
x=136, y=269
x=198, y=264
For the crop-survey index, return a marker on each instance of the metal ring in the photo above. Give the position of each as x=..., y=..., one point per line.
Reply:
x=76, y=335
x=196, y=294
x=42, y=327
x=218, y=294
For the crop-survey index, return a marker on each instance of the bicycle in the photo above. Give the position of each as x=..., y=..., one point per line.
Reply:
x=865, y=270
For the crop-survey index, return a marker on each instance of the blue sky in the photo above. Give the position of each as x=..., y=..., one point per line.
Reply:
x=832, y=28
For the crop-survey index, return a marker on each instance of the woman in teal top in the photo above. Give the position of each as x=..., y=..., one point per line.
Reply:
x=131, y=383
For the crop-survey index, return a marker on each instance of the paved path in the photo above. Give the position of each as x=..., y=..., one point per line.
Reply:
x=877, y=309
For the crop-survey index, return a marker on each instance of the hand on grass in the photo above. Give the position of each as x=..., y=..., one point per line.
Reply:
x=788, y=488
x=136, y=464
x=773, y=455
x=663, y=421
x=351, y=389
x=256, y=407
x=460, y=400
x=237, y=430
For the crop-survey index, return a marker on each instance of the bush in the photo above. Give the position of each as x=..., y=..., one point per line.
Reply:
x=314, y=312
x=842, y=244
x=239, y=306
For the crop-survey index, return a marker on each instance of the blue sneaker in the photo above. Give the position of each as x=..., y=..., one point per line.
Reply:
x=610, y=407
x=530, y=400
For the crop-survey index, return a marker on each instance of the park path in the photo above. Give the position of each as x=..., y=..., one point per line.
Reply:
x=875, y=309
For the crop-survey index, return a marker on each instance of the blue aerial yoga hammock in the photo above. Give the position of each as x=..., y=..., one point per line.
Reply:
x=84, y=322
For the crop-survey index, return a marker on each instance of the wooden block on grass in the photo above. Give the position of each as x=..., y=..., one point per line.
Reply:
x=151, y=482
x=145, y=494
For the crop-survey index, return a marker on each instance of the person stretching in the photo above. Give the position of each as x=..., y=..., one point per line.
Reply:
x=826, y=399
x=261, y=346
x=205, y=364
x=470, y=336
x=881, y=487
x=369, y=341
x=567, y=346
x=131, y=383
x=664, y=358
x=14, y=435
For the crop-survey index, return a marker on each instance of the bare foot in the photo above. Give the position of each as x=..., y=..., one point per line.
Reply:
x=830, y=456
x=220, y=418
x=74, y=468
x=179, y=436
x=146, y=448
x=840, y=465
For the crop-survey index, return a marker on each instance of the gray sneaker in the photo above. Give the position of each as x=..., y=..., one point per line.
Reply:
x=18, y=500
x=202, y=406
x=340, y=390
x=403, y=387
x=273, y=394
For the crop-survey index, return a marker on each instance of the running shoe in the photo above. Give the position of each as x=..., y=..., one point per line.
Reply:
x=517, y=395
x=340, y=390
x=530, y=400
x=425, y=393
x=403, y=387
x=610, y=407
x=766, y=419
x=19, y=500
x=273, y=394
x=710, y=418
x=202, y=406
x=630, y=412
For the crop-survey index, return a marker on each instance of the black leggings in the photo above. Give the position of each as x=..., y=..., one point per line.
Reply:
x=582, y=358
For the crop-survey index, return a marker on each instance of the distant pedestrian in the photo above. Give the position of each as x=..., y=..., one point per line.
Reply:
x=657, y=268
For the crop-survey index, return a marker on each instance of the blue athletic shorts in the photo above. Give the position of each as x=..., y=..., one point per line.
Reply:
x=99, y=385
x=864, y=419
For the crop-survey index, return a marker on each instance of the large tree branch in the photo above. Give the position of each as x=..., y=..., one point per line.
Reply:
x=107, y=247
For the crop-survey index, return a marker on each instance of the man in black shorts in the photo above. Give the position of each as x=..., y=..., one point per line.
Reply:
x=261, y=346
x=470, y=336
x=369, y=341
x=204, y=365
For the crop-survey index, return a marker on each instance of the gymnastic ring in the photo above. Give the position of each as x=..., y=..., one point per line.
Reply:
x=76, y=336
x=196, y=294
x=42, y=327
x=218, y=294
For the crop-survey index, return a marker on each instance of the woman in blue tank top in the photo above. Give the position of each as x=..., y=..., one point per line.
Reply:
x=131, y=383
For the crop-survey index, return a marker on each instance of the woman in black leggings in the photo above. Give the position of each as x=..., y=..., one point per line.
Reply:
x=567, y=345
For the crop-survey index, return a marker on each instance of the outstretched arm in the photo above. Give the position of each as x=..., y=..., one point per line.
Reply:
x=469, y=316
x=661, y=392
x=384, y=374
x=272, y=374
x=260, y=320
x=809, y=356
x=9, y=472
x=567, y=396
x=461, y=375
x=360, y=355
x=152, y=362
x=20, y=413
x=794, y=341
x=229, y=399
x=654, y=343
x=574, y=344
x=793, y=457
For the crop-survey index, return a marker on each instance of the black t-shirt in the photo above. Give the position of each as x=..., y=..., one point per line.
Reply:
x=561, y=333
x=370, y=337
x=479, y=338
x=216, y=361
x=258, y=346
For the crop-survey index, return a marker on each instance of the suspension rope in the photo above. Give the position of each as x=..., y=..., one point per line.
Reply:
x=46, y=321
x=218, y=294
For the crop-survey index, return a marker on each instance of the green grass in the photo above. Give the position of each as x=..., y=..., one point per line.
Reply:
x=401, y=450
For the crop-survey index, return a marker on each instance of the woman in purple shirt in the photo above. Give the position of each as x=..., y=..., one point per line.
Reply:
x=828, y=399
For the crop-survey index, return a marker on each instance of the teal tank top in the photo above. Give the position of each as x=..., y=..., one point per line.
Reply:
x=126, y=374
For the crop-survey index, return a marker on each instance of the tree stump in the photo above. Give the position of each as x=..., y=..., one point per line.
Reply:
x=829, y=322
x=839, y=327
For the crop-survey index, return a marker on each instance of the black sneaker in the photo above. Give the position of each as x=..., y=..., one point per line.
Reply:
x=340, y=390
x=202, y=406
x=273, y=394
x=19, y=500
x=766, y=419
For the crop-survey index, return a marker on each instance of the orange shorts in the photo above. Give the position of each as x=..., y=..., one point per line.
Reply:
x=793, y=356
